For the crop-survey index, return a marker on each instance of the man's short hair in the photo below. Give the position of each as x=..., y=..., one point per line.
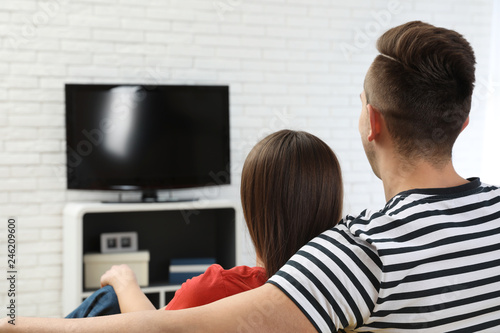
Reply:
x=422, y=83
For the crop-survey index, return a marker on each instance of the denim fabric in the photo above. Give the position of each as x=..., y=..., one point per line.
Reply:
x=103, y=302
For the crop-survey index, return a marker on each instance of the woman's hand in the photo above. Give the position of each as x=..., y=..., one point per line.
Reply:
x=120, y=277
x=130, y=297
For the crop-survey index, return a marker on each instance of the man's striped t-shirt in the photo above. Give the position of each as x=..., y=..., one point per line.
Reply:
x=429, y=261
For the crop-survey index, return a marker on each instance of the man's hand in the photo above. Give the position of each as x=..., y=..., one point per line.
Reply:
x=3, y=323
x=5, y=326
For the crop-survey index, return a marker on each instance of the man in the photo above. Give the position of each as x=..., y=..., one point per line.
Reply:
x=429, y=261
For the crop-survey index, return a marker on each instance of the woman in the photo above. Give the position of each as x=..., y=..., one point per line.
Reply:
x=291, y=191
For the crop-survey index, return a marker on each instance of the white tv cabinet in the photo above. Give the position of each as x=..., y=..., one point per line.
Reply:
x=206, y=228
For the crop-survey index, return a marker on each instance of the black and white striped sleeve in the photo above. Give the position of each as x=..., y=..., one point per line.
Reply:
x=334, y=280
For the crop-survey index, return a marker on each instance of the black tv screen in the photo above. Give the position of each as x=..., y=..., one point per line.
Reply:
x=133, y=137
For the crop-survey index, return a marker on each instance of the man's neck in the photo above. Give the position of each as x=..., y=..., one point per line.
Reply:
x=422, y=175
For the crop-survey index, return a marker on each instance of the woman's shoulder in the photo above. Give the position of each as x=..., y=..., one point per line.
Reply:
x=217, y=283
x=245, y=277
x=236, y=279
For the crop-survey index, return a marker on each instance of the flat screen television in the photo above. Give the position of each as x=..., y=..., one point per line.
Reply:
x=146, y=138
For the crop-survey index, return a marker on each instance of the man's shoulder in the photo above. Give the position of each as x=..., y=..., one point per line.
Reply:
x=417, y=200
x=410, y=211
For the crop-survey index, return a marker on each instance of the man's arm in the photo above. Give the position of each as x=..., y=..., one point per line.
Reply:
x=265, y=309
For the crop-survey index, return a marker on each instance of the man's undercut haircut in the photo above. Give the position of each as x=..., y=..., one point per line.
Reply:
x=422, y=83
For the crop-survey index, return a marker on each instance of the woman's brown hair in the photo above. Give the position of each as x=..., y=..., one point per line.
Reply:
x=291, y=191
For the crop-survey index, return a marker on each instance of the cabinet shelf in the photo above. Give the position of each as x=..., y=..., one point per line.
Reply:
x=150, y=289
x=166, y=230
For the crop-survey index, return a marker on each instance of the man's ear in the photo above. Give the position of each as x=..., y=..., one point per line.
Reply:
x=375, y=122
x=466, y=122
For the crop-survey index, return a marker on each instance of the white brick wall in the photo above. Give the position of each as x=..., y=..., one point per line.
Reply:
x=294, y=63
